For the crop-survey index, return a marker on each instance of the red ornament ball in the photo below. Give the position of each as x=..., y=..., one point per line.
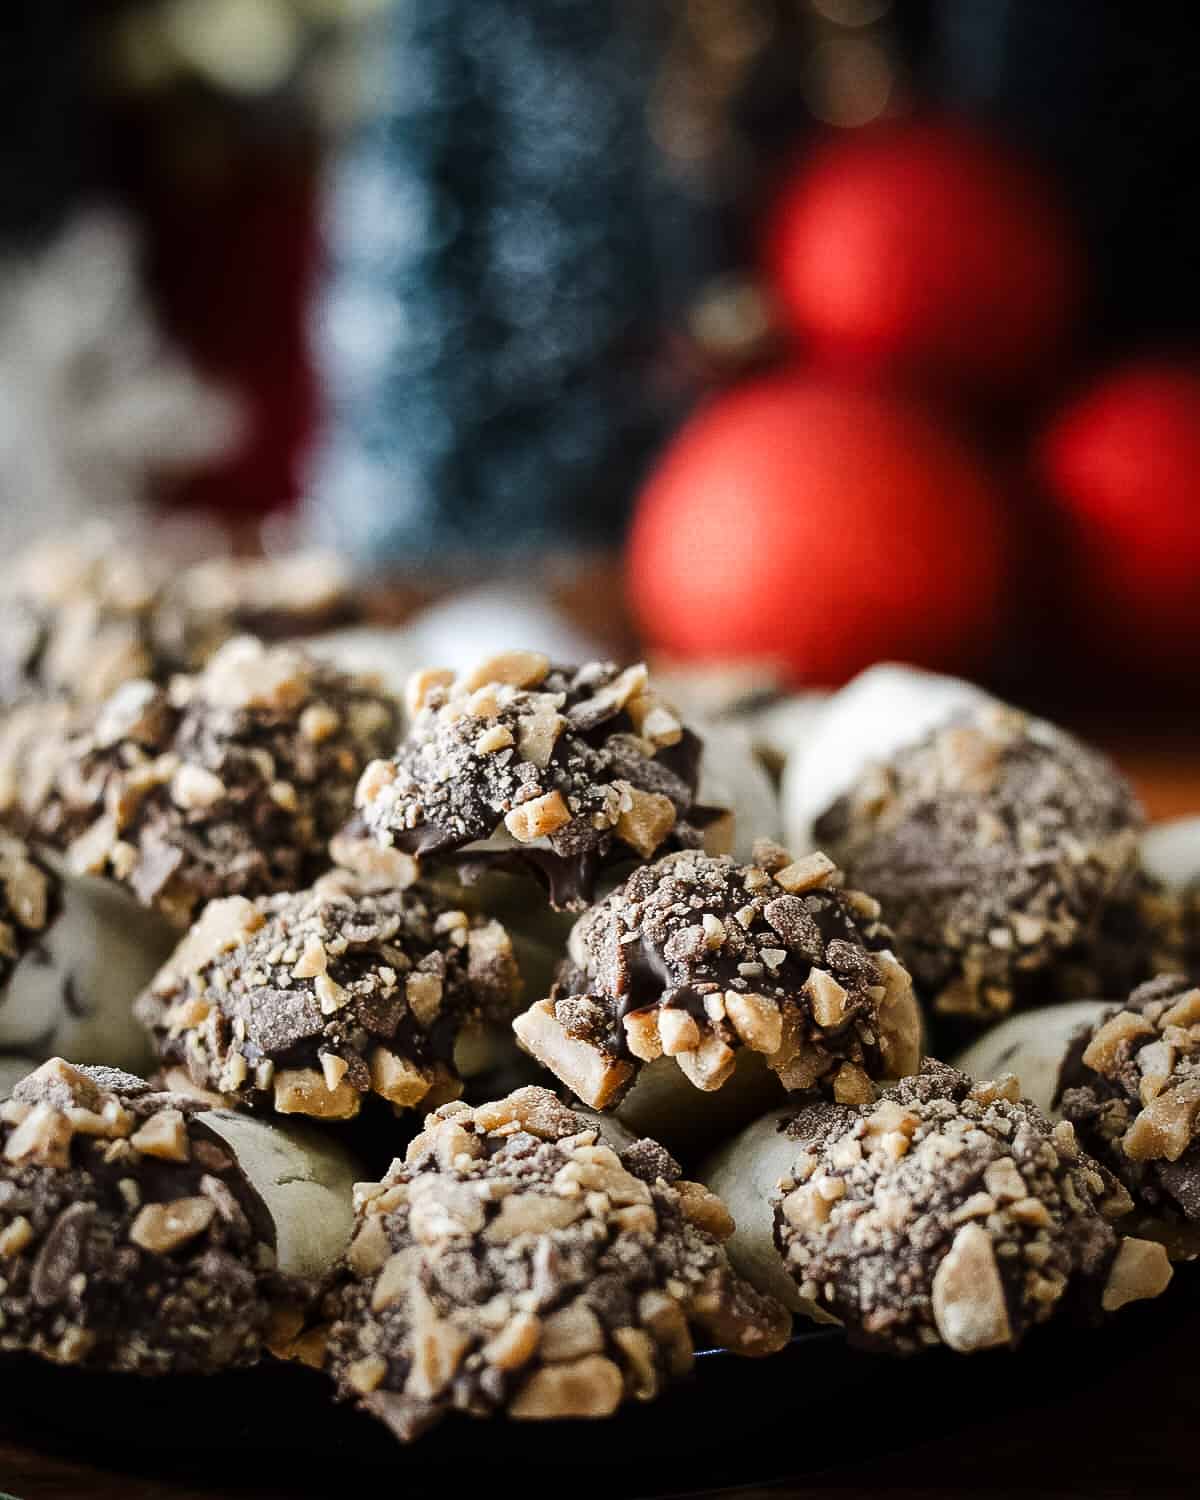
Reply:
x=1122, y=464
x=821, y=527
x=925, y=250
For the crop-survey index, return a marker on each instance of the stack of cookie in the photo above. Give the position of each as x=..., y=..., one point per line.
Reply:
x=488, y=942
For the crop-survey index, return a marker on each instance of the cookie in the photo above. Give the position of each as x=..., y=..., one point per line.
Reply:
x=947, y=1212
x=514, y=1264
x=307, y=1003
x=1130, y=1085
x=696, y=958
x=293, y=594
x=142, y=1233
x=76, y=621
x=231, y=781
x=994, y=846
x=562, y=772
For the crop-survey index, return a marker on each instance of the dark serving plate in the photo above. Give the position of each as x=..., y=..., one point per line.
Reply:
x=736, y=1422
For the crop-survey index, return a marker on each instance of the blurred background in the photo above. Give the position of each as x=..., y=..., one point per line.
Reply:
x=780, y=336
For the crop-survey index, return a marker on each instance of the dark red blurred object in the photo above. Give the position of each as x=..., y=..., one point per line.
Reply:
x=925, y=250
x=232, y=257
x=820, y=526
x=1122, y=464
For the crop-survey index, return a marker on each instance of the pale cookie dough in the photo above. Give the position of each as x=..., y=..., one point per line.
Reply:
x=74, y=953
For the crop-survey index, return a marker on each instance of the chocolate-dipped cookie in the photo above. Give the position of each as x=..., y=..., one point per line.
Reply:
x=946, y=1212
x=307, y=1003
x=993, y=846
x=231, y=781
x=76, y=620
x=696, y=960
x=554, y=770
x=141, y=1232
x=1130, y=1085
x=515, y=1264
x=292, y=594
x=73, y=955
x=81, y=616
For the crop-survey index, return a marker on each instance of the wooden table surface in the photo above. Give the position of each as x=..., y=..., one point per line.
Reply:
x=1136, y=1431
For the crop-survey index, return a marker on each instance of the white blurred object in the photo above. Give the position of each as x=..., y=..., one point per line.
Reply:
x=881, y=711
x=1171, y=852
x=732, y=776
x=457, y=632
x=93, y=402
x=470, y=626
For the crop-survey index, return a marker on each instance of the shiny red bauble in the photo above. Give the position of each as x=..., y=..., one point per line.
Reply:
x=1122, y=465
x=821, y=526
x=925, y=250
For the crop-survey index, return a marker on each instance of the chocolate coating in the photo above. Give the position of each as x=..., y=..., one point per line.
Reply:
x=561, y=771
x=514, y=1264
x=993, y=846
x=307, y=1002
x=131, y=1240
x=232, y=781
x=947, y=1212
x=1144, y=930
x=696, y=956
x=1131, y=1087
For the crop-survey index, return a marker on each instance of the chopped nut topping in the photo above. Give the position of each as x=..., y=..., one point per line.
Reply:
x=43, y=1136
x=419, y=686
x=647, y=821
x=163, y=1227
x=589, y=1387
x=1105, y=1047
x=1131, y=1090
x=597, y=1080
x=808, y=874
x=1140, y=1269
x=538, y=818
x=491, y=740
x=756, y=1019
x=520, y=669
x=642, y=1034
x=163, y=1135
x=303, y=1091
x=677, y=1032
x=195, y=789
